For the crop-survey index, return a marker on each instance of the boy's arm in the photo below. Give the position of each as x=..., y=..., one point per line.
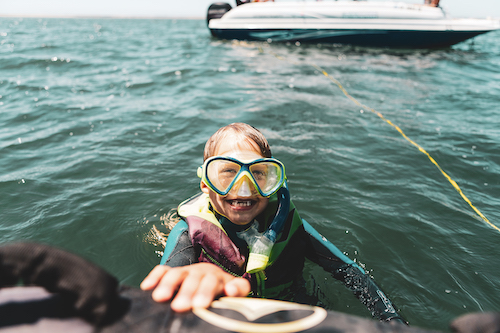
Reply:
x=180, y=277
x=179, y=250
x=328, y=256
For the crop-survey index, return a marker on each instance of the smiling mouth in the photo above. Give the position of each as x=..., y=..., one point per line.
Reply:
x=241, y=203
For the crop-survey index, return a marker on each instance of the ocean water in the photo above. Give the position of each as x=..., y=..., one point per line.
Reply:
x=104, y=123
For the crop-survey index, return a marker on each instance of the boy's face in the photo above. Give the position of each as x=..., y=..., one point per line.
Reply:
x=238, y=209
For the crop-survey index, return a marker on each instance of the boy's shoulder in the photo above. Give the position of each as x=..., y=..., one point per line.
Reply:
x=198, y=206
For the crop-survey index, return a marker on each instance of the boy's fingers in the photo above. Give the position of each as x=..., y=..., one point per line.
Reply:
x=169, y=283
x=237, y=287
x=196, y=286
x=189, y=286
x=154, y=277
x=210, y=287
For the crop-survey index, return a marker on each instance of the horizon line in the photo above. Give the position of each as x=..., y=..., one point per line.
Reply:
x=102, y=17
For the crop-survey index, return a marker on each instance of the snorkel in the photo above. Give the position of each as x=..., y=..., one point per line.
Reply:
x=261, y=244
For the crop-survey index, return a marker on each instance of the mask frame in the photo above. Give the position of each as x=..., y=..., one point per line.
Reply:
x=244, y=171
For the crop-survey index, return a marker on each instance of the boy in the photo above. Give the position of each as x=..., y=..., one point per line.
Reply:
x=242, y=234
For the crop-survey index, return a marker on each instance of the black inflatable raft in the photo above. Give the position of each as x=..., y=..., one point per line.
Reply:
x=45, y=289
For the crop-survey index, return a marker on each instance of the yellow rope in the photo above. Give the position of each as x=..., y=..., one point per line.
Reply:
x=355, y=101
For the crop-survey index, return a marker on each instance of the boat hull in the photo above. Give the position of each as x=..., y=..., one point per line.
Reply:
x=371, y=38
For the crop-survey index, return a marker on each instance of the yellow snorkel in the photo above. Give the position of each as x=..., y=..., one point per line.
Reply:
x=261, y=244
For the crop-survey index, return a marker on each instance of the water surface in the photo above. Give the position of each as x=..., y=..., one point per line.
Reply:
x=104, y=123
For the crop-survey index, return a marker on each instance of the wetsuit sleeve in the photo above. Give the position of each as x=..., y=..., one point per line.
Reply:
x=179, y=250
x=328, y=256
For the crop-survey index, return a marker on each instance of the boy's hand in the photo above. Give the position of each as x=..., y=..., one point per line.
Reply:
x=197, y=285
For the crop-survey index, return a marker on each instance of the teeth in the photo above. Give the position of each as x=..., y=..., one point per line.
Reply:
x=245, y=203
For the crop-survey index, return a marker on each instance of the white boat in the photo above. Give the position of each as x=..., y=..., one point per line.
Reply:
x=378, y=24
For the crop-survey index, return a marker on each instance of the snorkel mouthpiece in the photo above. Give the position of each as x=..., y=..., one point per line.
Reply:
x=260, y=248
x=260, y=245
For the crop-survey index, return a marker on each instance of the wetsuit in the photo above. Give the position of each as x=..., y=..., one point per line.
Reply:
x=204, y=236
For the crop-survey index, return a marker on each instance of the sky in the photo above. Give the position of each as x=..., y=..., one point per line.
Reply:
x=188, y=8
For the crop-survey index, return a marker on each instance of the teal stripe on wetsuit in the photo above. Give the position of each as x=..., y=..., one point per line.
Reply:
x=332, y=248
x=173, y=238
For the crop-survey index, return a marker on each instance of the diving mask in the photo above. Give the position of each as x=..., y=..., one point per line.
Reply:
x=221, y=174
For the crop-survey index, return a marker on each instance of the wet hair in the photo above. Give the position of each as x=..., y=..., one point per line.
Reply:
x=245, y=131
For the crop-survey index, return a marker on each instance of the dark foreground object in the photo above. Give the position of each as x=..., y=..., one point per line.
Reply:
x=65, y=293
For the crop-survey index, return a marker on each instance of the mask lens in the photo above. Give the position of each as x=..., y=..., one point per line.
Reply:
x=267, y=175
x=221, y=173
